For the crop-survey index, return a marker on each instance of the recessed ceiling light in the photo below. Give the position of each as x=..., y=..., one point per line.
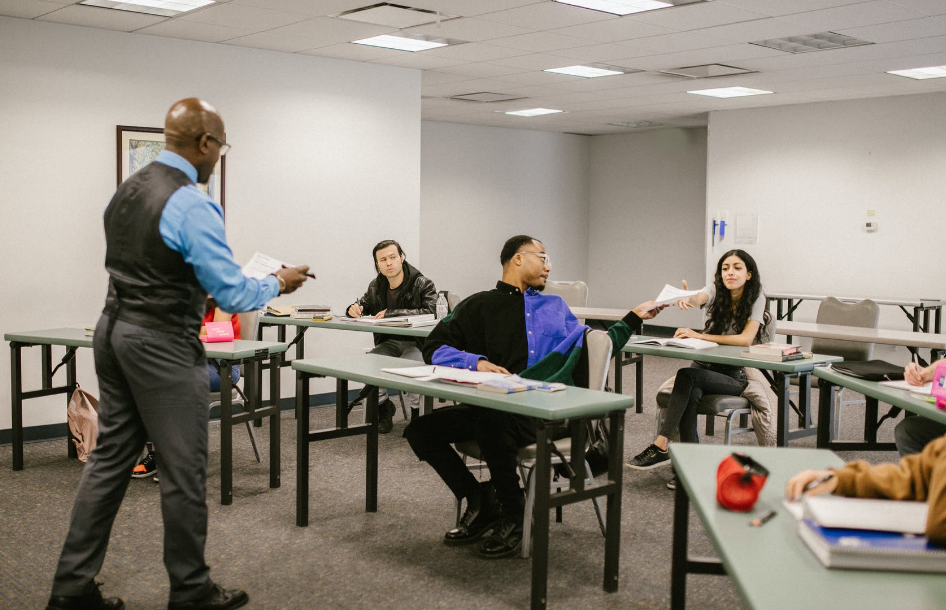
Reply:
x=806, y=43
x=394, y=15
x=150, y=7
x=730, y=92
x=407, y=42
x=485, y=96
x=706, y=71
x=636, y=124
x=592, y=70
x=532, y=112
x=921, y=73
x=626, y=7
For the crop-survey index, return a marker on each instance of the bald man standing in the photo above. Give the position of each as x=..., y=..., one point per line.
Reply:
x=165, y=250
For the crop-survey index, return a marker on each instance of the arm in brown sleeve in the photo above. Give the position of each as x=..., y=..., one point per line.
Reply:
x=920, y=477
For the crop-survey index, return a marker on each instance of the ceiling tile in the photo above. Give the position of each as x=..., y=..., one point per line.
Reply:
x=760, y=29
x=191, y=30
x=272, y=40
x=355, y=52
x=473, y=30
x=697, y=16
x=928, y=7
x=900, y=30
x=475, y=51
x=418, y=61
x=319, y=8
x=786, y=7
x=534, y=77
x=602, y=52
x=864, y=13
x=547, y=16
x=468, y=86
x=479, y=70
x=727, y=55
x=681, y=41
x=614, y=30
x=241, y=16
x=324, y=31
x=534, y=61
x=28, y=9
x=469, y=8
x=429, y=78
x=104, y=18
x=540, y=42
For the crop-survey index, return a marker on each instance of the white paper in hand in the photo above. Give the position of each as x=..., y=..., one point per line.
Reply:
x=262, y=265
x=671, y=294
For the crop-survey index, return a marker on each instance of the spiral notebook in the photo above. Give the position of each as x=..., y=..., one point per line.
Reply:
x=837, y=547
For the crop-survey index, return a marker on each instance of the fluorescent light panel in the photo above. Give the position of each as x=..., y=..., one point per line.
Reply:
x=402, y=43
x=806, y=43
x=150, y=7
x=533, y=112
x=625, y=7
x=588, y=71
x=730, y=92
x=921, y=73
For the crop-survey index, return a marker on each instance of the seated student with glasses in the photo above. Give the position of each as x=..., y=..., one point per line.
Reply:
x=513, y=328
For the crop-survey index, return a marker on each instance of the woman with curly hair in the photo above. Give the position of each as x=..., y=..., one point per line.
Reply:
x=735, y=315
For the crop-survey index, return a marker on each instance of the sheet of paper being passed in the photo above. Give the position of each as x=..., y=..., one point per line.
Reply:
x=671, y=294
x=262, y=265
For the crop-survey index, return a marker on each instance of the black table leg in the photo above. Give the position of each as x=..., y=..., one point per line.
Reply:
x=781, y=389
x=870, y=420
x=226, y=433
x=341, y=403
x=678, y=561
x=540, y=517
x=804, y=400
x=619, y=373
x=825, y=413
x=612, y=540
x=71, y=450
x=371, y=468
x=275, y=427
x=16, y=390
x=302, y=449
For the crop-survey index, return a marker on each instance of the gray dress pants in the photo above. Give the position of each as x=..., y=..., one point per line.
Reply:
x=154, y=387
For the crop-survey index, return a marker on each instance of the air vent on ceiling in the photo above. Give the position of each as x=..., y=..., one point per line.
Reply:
x=485, y=96
x=394, y=15
x=706, y=71
x=806, y=43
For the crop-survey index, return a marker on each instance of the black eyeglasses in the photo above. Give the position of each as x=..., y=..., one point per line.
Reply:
x=224, y=147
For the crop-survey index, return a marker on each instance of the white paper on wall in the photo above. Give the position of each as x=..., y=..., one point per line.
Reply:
x=747, y=228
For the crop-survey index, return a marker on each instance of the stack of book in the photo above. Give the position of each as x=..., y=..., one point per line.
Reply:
x=869, y=534
x=776, y=352
x=312, y=312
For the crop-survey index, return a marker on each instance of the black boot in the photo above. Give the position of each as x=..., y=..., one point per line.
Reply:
x=482, y=512
x=506, y=538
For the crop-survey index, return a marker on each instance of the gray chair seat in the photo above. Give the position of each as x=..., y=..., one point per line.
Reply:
x=713, y=406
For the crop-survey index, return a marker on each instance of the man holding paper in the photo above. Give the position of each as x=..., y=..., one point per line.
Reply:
x=165, y=250
x=398, y=290
x=513, y=328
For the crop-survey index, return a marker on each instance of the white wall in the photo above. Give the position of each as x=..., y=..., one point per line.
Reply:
x=646, y=218
x=325, y=162
x=482, y=185
x=813, y=171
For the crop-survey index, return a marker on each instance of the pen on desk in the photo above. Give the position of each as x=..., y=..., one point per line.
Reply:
x=312, y=275
x=817, y=482
x=763, y=519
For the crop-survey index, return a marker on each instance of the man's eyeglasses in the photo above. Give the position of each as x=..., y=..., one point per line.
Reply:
x=546, y=260
x=224, y=147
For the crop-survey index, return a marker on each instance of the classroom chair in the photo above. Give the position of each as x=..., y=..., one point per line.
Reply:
x=712, y=406
x=249, y=322
x=863, y=314
x=599, y=361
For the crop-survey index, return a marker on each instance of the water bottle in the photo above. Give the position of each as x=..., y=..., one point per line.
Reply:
x=441, y=306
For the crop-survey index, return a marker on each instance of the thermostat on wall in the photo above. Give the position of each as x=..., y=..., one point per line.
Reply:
x=870, y=226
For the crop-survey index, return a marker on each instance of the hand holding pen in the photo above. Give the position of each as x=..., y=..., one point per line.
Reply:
x=914, y=374
x=810, y=482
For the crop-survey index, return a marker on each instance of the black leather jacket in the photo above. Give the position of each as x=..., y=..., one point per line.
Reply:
x=418, y=296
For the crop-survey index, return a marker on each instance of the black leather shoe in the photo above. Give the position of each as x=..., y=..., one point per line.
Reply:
x=386, y=411
x=480, y=517
x=505, y=540
x=91, y=599
x=218, y=599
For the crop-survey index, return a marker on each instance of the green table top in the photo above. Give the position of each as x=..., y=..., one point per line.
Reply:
x=891, y=396
x=421, y=331
x=727, y=354
x=76, y=337
x=770, y=565
x=552, y=406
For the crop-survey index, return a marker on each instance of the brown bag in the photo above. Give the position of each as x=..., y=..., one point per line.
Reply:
x=83, y=417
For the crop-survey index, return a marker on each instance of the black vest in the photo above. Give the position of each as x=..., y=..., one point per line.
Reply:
x=149, y=284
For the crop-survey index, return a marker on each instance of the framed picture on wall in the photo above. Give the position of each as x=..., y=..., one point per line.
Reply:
x=139, y=146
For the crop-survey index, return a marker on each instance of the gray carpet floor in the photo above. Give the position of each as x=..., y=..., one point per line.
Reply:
x=348, y=558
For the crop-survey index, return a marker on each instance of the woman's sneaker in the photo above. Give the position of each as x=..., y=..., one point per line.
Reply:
x=147, y=467
x=652, y=457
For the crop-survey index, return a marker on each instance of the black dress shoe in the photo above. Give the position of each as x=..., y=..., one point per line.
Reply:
x=218, y=599
x=480, y=516
x=505, y=540
x=91, y=599
x=386, y=411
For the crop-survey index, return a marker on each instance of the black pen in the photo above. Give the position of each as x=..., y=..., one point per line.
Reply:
x=763, y=519
x=312, y=275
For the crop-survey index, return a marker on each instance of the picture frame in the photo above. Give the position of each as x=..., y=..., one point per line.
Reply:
x=139, y=146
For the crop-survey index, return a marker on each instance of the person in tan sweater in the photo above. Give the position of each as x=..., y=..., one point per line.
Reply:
x=921, y=477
